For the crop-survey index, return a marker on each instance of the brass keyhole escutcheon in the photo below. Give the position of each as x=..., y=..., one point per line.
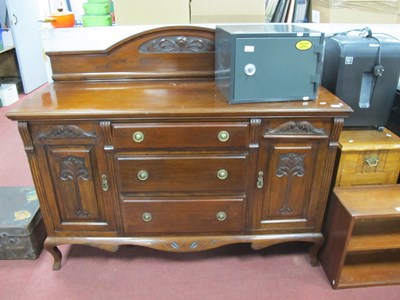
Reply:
x=260, y=180
x=104, y=183
x=147, y=217
x=223, y=136
x=143, y=175
x=221, y=216
x=222, y=174
x=138, y=137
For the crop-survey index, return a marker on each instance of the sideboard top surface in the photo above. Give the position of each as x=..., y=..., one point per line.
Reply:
x=165, y=72
x=74, y=100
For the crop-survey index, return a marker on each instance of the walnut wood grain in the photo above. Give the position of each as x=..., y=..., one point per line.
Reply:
x=134, y=59
x=150, y=103
x=363, y=234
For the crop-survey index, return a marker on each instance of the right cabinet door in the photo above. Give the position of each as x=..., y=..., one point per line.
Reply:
x=291, y=163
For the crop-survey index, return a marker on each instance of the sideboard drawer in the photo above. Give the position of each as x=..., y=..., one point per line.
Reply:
x=180, y=135
x=183, y=216
x=181, y=173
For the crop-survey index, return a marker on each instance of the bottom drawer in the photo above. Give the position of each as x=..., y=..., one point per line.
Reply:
x=183, y=216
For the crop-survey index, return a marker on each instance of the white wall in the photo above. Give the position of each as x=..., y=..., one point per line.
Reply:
x=100, y=38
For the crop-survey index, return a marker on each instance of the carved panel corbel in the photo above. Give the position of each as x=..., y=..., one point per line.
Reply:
x=66, y=131
x=296, y=128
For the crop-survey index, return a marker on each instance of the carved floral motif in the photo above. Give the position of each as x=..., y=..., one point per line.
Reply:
x=73, y=168
x=290, y=165
x=185, y=245
x=178, y=44
x=295, y=127
x=66, y=131
x=285, y=210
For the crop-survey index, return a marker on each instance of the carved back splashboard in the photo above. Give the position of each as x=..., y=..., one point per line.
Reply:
x=184, y=52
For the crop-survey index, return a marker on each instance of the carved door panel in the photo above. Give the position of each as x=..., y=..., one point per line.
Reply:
x=75, y=178
x=288, y=177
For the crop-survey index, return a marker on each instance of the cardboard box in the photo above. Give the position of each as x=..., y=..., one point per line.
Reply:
x=227, y=11
x=355, y=12
x=144, y=12
x=8, y=94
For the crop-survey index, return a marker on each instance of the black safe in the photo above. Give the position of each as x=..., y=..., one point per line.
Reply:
x=268, y=62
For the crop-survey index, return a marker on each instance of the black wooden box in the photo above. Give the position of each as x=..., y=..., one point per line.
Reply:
x=22, y=231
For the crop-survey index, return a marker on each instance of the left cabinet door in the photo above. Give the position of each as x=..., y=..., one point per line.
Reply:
x=74, y=174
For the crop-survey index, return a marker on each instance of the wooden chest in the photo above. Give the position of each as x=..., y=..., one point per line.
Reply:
x=368, y=157
x=22, y=230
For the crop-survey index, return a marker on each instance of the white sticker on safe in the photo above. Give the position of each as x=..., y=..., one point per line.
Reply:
x=348, y=60
x=249, y=48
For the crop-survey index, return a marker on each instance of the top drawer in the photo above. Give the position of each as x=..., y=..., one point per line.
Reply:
x=180, y=135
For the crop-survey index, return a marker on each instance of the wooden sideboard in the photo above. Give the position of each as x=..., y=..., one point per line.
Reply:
x=135, y=145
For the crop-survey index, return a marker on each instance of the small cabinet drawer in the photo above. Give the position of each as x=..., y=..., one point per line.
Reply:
x=368, y=157
x=183, y=215
x=180, y=135
x=181, y=173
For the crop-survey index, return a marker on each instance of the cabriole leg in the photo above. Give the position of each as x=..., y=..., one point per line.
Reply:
x=56, y=253
x=314, y=250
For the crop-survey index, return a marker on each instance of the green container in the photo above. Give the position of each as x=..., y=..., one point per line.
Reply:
x=96, y=8
x=92, y=21
x=98, y=1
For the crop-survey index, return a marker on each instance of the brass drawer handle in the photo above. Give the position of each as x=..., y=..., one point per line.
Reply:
x=372, y=161
x=221, y=216
x=147, y=217
x=222, y=174
x=223, y=136
x=143, y=175
x=138, y=137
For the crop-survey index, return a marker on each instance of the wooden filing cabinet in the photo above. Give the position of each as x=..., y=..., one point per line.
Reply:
x=368, y=157
x=363, y=237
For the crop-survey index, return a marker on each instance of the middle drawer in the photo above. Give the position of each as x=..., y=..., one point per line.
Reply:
x=180, y=173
